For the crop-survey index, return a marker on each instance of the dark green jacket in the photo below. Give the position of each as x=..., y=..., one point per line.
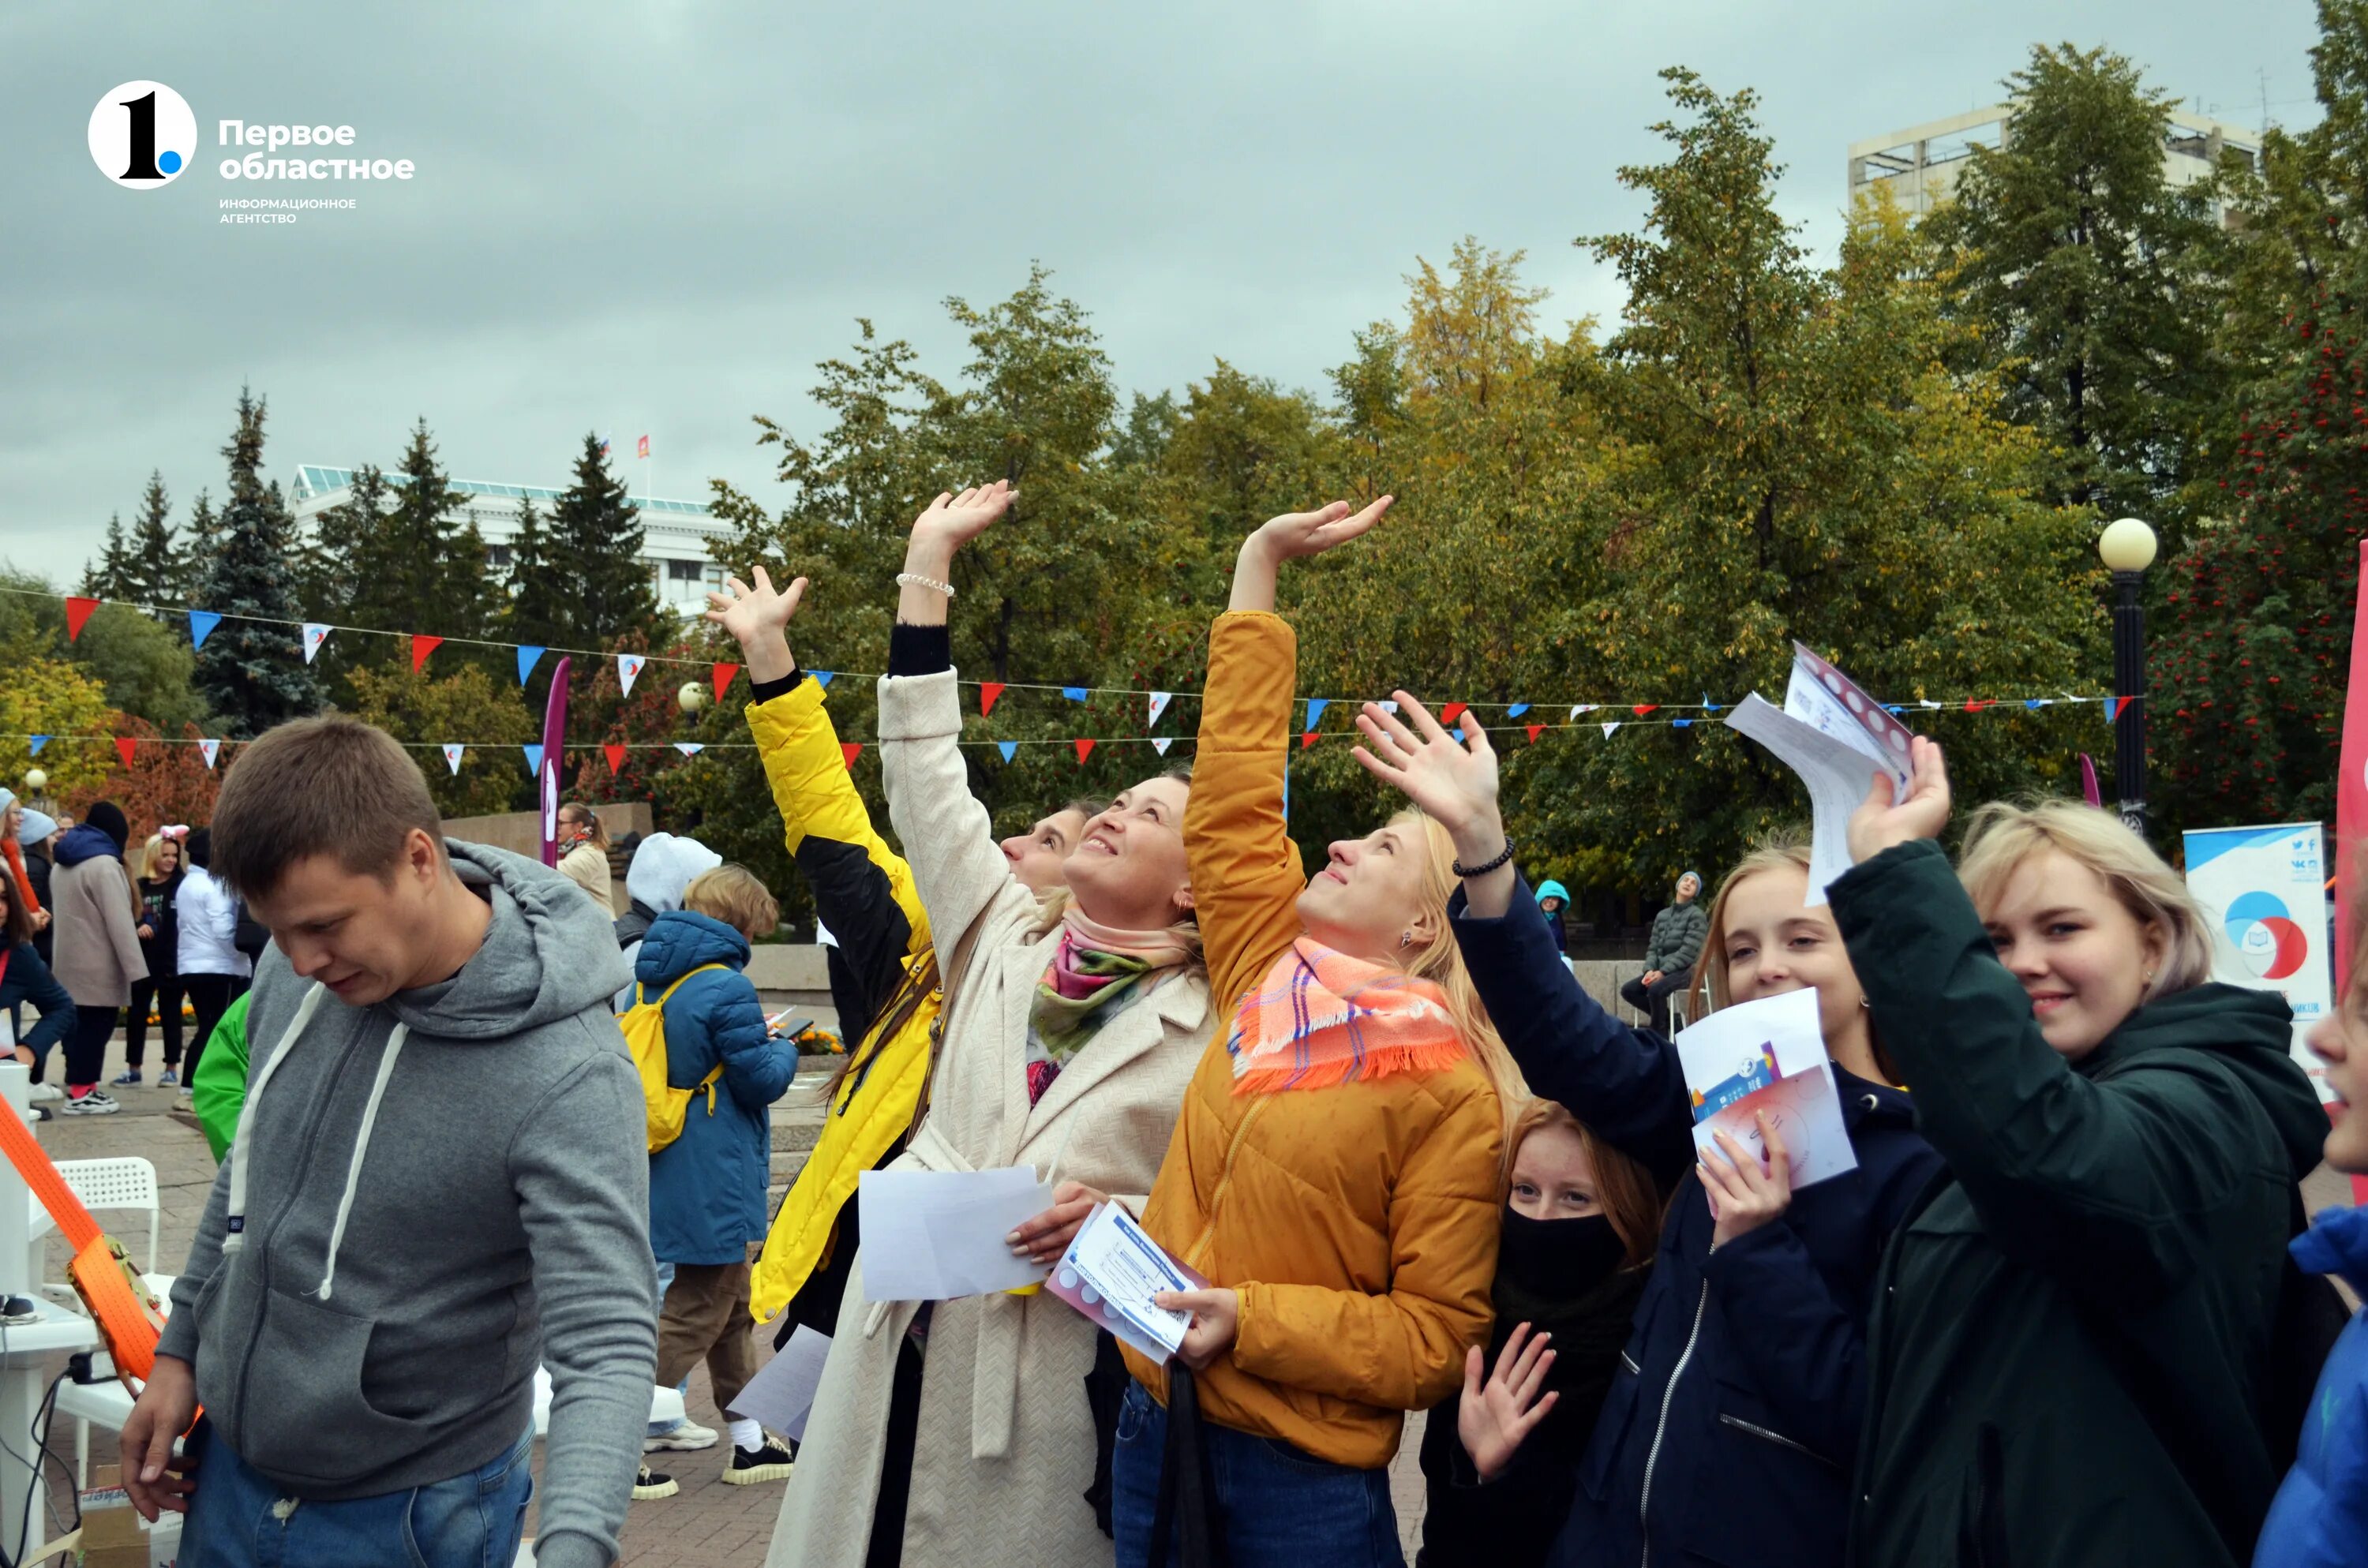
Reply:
x=1678, y=936
x=2107, y=1232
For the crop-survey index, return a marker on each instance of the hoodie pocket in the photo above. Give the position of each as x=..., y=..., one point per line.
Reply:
x=313, y=1425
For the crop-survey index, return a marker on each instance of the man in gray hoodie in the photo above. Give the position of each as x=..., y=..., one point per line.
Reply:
x=439, y=1181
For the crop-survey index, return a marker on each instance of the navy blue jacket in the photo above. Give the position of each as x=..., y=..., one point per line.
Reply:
x=1744, y=1387
x=706, y=1187
x=2320, y=1518
x=29, y=982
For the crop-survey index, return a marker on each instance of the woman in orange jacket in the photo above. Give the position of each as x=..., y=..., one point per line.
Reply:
x=1334, y=1175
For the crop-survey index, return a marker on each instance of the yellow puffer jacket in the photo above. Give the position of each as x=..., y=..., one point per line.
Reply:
x=864, y=892
x=1358, y=1224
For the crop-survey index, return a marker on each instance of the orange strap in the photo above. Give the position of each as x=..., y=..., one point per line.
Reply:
x=32, y=1163
x=128, y=1323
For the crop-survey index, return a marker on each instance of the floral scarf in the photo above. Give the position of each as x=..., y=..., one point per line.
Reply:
x=1321, y=1018
x=1096, y=971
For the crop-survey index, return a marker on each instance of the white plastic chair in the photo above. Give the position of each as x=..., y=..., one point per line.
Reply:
x=126, y=1182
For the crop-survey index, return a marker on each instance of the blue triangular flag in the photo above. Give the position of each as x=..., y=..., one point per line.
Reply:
x=1074, y=693
x=1708, y=706
x=1315, y=706
x=822, y=679
x=527, y=654
x=1681, y=723
x=1006, y=748
x=202, y=626
x=38, y=742
x=1894, y=707
x=2034, y=703
x=1458, y=734
x=534, y=755
x=1517, y=710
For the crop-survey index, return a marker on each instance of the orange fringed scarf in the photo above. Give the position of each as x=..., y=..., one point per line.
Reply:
x=15, y=859
x=1321, y=1018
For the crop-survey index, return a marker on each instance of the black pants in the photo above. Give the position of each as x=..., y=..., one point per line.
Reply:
x=211, y=995
x=86, y=1047
x=167, y=994
x=1653, y=1000
x=887, y=1549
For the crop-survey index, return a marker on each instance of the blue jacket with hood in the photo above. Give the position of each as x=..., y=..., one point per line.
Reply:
x=706, y=1187
x=2320, y=1518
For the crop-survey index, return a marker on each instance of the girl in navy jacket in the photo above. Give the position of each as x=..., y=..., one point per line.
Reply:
x=1729, y=1435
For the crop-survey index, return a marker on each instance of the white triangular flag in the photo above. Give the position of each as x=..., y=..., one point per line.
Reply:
x=452, y=757
x=315, y=635
x=1159, y=701
x=628, y=667
x=1930, y=703
x=1578, y=708
x=1610, y=726
x=689, y=749
x=1160, y=743
x=208, y=749
x=1387, y=705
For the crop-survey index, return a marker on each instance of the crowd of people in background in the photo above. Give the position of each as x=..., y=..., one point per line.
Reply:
x=2065, y=1308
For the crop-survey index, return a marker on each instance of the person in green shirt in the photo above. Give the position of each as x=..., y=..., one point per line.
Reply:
x=218, y=1088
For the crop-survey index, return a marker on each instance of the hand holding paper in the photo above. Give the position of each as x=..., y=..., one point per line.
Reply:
x=1757, y=1068
x=1889, y=817
x=1835, y=737
x=936, y=1235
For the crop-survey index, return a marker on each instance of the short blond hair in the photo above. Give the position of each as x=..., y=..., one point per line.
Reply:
x=152, y=851
x=733, y=895
x=2003, y=835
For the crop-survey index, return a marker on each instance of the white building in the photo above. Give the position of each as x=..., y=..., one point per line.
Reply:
x=674, y=533
x=1921, y=163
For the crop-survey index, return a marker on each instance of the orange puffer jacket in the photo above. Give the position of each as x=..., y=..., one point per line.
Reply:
x=1358, y=1222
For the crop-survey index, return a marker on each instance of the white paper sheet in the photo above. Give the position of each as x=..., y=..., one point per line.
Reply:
x=781, y=1395
x=1769, y=1056
x=935, y=1235
x=1837, y=773
x=1113, y=1264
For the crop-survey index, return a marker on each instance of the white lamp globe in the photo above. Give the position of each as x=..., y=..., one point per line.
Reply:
x=36, y=779
x=692, y=696
x=2127, y=545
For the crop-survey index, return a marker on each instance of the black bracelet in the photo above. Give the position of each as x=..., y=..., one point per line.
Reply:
x=1464, y=870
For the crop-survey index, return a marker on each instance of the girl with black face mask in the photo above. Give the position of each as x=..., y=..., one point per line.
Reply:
x=1579, y=1222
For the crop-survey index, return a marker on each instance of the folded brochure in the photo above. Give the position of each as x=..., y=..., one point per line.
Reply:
x=1834, y=737
x=1110, y=1272
x=1768, y=1057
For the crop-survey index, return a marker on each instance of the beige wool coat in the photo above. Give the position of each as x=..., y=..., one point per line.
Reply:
x=1005, y=1443
x=588, y=867
x=97, y=945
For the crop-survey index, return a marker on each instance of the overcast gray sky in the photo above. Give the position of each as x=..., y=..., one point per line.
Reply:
x=657, y=217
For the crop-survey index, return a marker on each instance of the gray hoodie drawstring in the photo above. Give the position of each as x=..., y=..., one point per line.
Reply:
x=234, y=1235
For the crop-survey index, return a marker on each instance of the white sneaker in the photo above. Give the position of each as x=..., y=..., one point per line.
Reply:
x=687, y=1437
x=44, y=1092
x=92, y=1104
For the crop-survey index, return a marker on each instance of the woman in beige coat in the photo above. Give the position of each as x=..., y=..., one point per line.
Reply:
x=1071, y=1029
x=584, y=853
x=98, y=953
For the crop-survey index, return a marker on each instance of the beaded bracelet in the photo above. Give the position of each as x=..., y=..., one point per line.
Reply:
x=915, y=580
x=1464, y=870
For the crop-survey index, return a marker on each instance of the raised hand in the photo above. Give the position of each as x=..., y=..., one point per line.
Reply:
x=1455, y=785
x=758, y=619
x=953, y=520
x=1294, y=534
x=1497, y=1414
x=1883, y=821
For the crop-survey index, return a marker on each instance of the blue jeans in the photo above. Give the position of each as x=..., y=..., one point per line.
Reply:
x=239, y=1519
x=1282, y=1508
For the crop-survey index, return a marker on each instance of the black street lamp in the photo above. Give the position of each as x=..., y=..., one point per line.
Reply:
x=2127, y=547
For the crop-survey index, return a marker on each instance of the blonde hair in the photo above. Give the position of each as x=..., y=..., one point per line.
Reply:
x=733, y=895
x=2003, y=835
x=155, y=847
x=1625, y=1188
x=1787, y=850
x=593, y=825
x=1442, y=963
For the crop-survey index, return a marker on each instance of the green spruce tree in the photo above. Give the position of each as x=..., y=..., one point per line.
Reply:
x=252, y=671
x=155, y=562
x=110, y=576
x=600, y=588
x=537, y=609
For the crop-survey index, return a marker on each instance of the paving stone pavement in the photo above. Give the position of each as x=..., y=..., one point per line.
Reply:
x=707, y=1525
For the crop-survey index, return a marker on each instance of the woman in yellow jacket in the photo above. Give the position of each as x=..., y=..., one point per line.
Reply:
x=864, y=891
x=1334, y=1175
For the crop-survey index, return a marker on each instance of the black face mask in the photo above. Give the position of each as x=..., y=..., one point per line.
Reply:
x=1557, y=1260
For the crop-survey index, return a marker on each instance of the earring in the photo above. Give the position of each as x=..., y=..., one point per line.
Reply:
x=1405, y=939
x=1863, y=1003
x=2147, y=979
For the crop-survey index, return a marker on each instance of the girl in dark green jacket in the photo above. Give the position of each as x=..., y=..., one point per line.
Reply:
x=2071, y=1335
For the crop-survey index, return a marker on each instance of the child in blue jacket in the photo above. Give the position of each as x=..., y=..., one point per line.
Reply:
x=706, y=1187
x=2320, y=1518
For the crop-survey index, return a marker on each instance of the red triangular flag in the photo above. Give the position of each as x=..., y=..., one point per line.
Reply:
x=422, y=645
x=615, y=751
x=2114, y=707
x=851, y=750
x=1975, y=704
x=1535, y=730
x=1644, y=707
x=988, y=691
x=1453, y=711
x=125, y=746
x=1084, y=748
x=77, y=611
x=1307, y=740
x=724, y=673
